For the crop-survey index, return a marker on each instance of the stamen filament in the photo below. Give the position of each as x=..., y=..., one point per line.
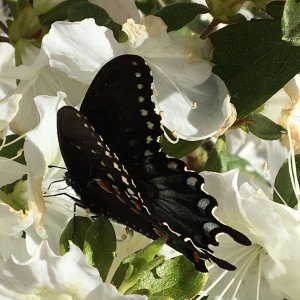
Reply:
x=243, y=270
x=3, y=145
x=292, y=164
x=258, y=277
x=250, y=254
x=168, y=138
x=19, y=153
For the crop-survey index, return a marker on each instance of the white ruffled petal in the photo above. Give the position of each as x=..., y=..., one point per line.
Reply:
x=48, y=276
x=77, y=54
x=41, y=149
x=119, y=10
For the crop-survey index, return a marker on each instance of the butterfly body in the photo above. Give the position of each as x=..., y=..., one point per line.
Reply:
x=113, y=157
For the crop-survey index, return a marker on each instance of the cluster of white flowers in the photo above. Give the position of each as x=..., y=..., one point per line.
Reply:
x=196, y=105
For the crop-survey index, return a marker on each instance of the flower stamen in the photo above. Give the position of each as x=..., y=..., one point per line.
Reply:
x=292, y=164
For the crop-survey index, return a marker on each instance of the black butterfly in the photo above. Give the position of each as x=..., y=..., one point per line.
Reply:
x=114, y=163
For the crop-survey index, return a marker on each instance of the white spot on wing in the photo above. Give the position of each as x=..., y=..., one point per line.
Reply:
x=110, y=176
x=141, y=99
x=144, y=112
x=203, y=203
x=107, y=153
x=124, y=179
x=191, y=182
x=147, y=153
x=149, y=139
x=140, y=86
x=116, y=166
x=130, y=191
x=209, y=226
x=150, y=125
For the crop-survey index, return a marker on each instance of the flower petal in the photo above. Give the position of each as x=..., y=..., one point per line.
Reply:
x=66, y=277
x=41, y=149
x=119, y=10
x=77, y=54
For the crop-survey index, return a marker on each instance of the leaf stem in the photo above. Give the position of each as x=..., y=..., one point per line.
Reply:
x=209, y=29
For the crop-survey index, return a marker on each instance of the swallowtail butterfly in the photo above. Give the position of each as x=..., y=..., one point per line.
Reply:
x=115, y=165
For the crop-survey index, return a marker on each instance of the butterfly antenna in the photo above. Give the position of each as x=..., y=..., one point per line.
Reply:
x=60, y=180
x=65, y=194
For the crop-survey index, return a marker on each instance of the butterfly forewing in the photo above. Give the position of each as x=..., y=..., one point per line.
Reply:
x=88, y=158
x=118, y=105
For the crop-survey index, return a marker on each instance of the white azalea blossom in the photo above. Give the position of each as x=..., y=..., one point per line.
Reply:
x=37, y=78
x=41, y=150
x=119, y=10
x=48, y=276
x=264, y=157
x=12, y=225
x=284, y=109
x=269, y=269
x=7, y=62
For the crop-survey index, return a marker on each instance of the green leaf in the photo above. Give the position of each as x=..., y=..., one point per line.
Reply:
x=147, y=7
x=136, y=265
x=25, y=26
x=100, y=245
x=291, y=22
x=178, y=15
x=75, y=231
x=245, y=168
x=265, y=128
x=275, y=9
x=217, y=160
x=12, y=150
x=254, y=62
x=15, y=195
x=284, y=186
x=176, y=278
x=59, y=12
x=15, y=6
x=82, y=10
x=180, y=149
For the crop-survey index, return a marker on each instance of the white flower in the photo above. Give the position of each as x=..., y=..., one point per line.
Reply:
x=12, y=225
x=187, y=93
x=269, y=269
x=37, y=78
x=41, y=150
x=7, y=60
x=48, y=276
x=128, y=242
x=284, y=109
x=264, y=157
x=119, y=10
